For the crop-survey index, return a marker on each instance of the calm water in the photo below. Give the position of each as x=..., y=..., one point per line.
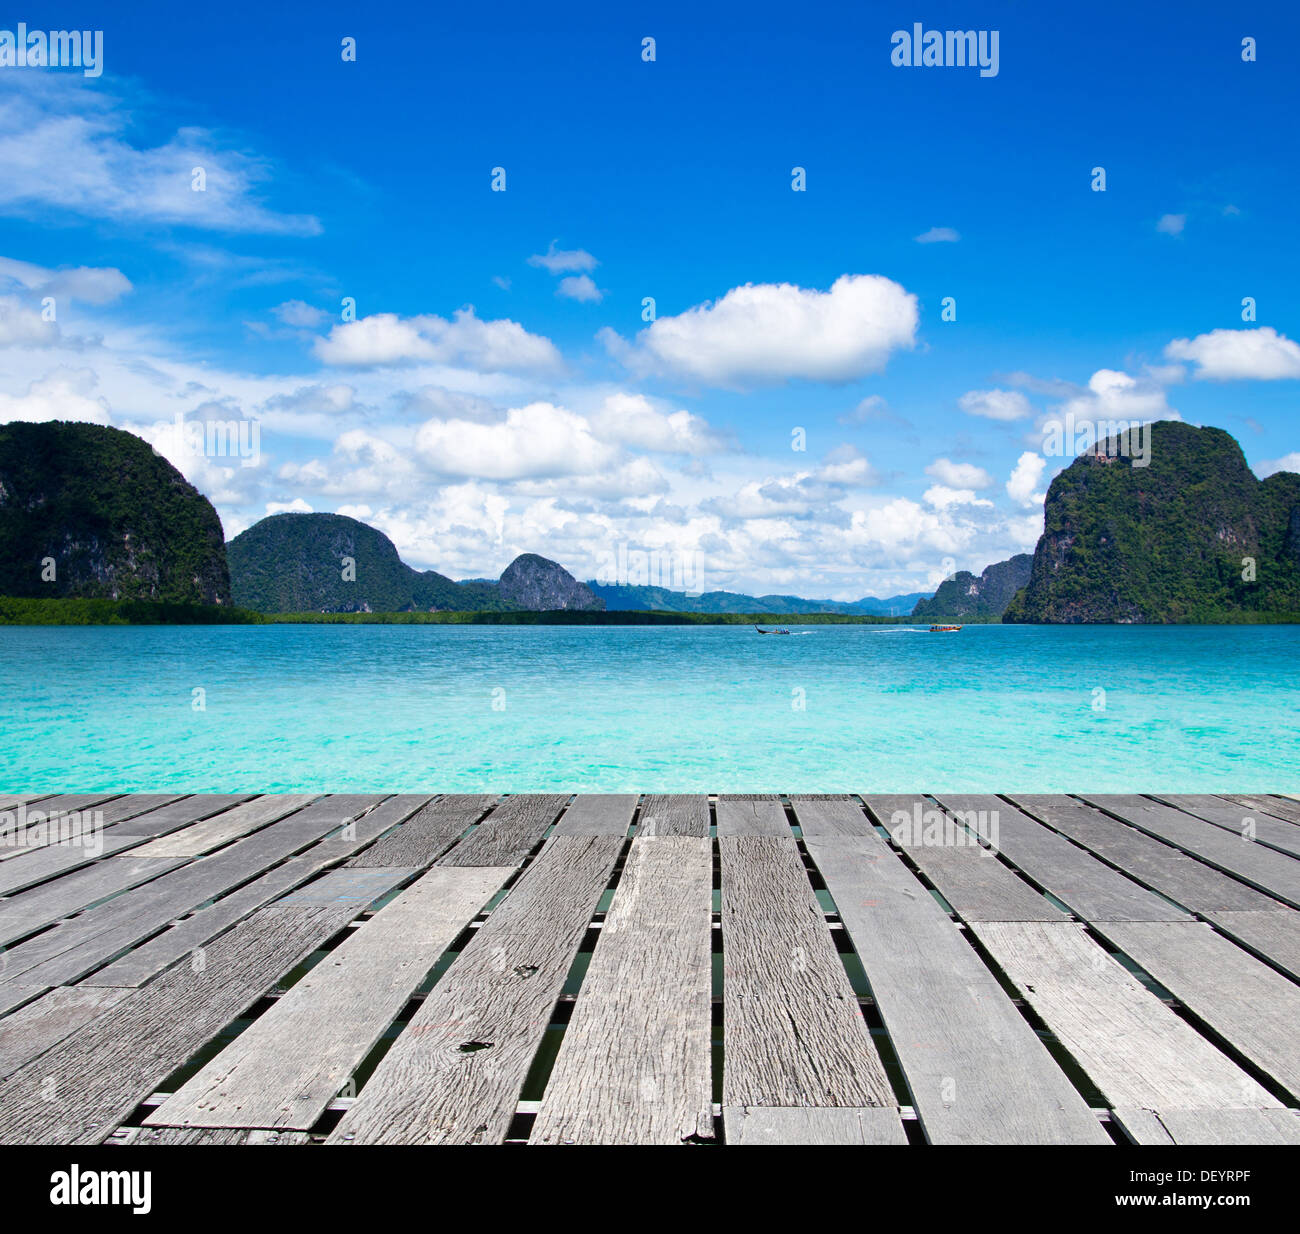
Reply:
x=829, y=709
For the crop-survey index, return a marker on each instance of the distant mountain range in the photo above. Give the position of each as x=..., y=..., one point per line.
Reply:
x=621, y=598
x=964, y=595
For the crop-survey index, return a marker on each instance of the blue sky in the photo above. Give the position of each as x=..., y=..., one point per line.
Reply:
x=549, y=416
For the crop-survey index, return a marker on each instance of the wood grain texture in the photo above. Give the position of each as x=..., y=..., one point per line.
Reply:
x=752, y=816
x=1137, y=1051
x=427, y=834
x=831, y=816
x=1263, y=828
x=66, y=818
x=1270, y=871
x=455, y=1074
x=1273, y=935
x=793, y=1032
x=827, y=1125
x=509, y=833
x=202, y=837
x=206, y=1135
x=1285, y=808
x=674, y=814
x=1242, y=999
x=634, y=1067
x=49, y=861
x=265, y=1078
x=1209, y=1126
x=598, y=814
x=178, y=814
x=1191, y=883
x=978, y=1073
x=35, y=1027
x=1074, y=876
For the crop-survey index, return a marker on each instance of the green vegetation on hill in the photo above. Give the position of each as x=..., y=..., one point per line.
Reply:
x=624, y=596
x=965, y=596
x=73, y=612
x=117, y=521
x=1192, y=537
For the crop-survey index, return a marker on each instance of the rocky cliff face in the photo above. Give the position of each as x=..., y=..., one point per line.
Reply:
x=1193, y=536
x=964, y=595
x=533, y=582
x=92, y=512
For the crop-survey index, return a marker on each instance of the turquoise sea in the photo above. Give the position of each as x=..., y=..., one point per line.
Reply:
x=518, y=708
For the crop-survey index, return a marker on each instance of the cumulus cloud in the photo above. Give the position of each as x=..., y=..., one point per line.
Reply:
x=938, y=235
x=995, y=404
x=64, y=394
x=959, y=475
x=580, y=287
x=774, y=332
x=1024, y=479
x=1288, y=462
x=21, y=325
x=558, y=261
x=941, y=496
x=1116, y=395
x=89, y=284
x=1225, y=355
x=386, y=339
x=631, y=419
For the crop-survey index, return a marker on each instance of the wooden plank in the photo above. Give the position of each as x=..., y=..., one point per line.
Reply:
x=634, y=1067
x=265, y=1078
x=455, y=1074
x=1210, y=1126
x=67, y=819
x=79, y=1091
x=1136, y=1050
x=674, y=814
x=1242, y=999
x=1278, y=807
x=968, y=876
x=29, y=868
x=1251, y=824
x=147, y=959
x=206, y=1135
x=598, y=814
x=132, y=805
x=1264, y=868
x=13, y=995
x=427, y=834
x=11, y=801
x=828, y=1125
x=977, y=1072
x=824, y=816
x=1273, y=935
x=35, y=1027
x=752, y=816
x=509, y=833
x=793, y=1032
x=80, y=945
x=1191, y=883
x=178, y=814
x=202, y=837
x=1090, y=888
x=46, y=903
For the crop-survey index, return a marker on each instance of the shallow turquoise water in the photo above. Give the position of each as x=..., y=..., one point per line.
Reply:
x=884, y=709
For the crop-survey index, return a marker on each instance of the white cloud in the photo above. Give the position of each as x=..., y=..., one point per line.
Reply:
x=1171, y=224
x=386, y=339
x=23, y=326
x=64, y=394
x=995, y=404
x=558, y=261
x=296, y=506
x=57, y=123
x=90, y=284
x=300, y=314
x=959, y=475
x=1025, y=477
x=1224, y=355
x=580, y=287
x=770, y=332
x=631, y=419
x=938, y=235
x=1115, y=395
x=1288, y=462
x=942, y=497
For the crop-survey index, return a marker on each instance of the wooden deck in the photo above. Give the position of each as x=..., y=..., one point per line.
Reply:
x=655, y=970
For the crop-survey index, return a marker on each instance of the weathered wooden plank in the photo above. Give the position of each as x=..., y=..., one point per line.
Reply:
x=206, y=1135
x=132, y=805
x=202, y=837
x=1252, y=824
x=1265, y=868
x=977, y=1072
x=1241, y=998
x=1136, y=1050
x=349, y=885
x=178, y=814
x=13, y=995
x=142, y=962
x=828, y=1125
x=824, y=816
x=339, y=1010
x=970, y=877
x=427, y=834
x=82, y=1088
x=509, y=833
x=1209, y=1126
x=76, y=947
x=39, y=864
x=1090, y=888
x=1189, y=882
x=674, y=814
x=1273, y=935
x=634, y=1067
x=1284, y=808
x=11, y=801
x=793, y=1032
x=598, y=814
x=67, y=819
x=752, y=816
x=455, y=1074
x=35, y=1027
x=31, y=910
